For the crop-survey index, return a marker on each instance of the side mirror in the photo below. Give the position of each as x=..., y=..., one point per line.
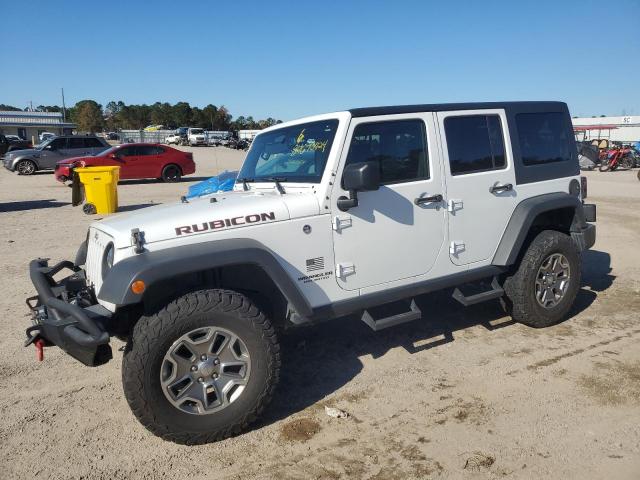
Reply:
x=358, y=177
x=113, y=156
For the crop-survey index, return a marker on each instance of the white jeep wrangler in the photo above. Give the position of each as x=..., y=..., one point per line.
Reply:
x=331, y=215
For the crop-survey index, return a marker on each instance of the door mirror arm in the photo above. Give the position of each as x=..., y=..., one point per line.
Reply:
x=345, y=203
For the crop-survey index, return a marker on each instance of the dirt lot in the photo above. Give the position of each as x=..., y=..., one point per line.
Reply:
x=463, y=393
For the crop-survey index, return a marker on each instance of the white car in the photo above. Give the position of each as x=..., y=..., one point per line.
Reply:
x=347, y=213
x=196, y=136
x=174, y=139
x=46, y=135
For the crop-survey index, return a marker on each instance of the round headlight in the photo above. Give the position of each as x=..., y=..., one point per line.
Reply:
x=107, y=259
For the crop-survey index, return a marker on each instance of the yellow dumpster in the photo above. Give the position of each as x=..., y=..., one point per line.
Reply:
x=100, y=189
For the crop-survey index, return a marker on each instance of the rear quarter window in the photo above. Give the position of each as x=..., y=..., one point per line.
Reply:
x=543, y=137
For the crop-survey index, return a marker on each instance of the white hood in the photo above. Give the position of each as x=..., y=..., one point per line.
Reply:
x=230, y=210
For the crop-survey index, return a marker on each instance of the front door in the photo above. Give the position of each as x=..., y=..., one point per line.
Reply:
x=52, y=153
x=481, y=187
x=125, y=158
x=397, y=231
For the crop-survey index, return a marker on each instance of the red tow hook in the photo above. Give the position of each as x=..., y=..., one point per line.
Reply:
x=39, y=344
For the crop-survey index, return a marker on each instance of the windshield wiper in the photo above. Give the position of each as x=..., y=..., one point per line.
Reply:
x=244, y=181
x=277, y=181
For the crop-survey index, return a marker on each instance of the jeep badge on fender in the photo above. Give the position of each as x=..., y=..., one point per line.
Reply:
x=331, y=215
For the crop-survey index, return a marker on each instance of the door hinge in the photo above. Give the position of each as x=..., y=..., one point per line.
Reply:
x=453, y=205
x=456, y=247
x=344, y=269
x=340, y=222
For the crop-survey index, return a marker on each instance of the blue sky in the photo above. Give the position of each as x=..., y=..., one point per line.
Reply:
x=290, y=59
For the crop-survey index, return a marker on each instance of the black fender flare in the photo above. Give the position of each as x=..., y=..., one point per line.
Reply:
x=151, y=267
x=523, y=217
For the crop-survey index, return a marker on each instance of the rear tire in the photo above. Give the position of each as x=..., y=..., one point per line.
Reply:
x=171, y=173
x=179, y=402
x=551, y=264
x=26, y=167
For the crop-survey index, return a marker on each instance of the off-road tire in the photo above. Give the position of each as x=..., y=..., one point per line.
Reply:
x=26, y=167
x=153, y=335
x=520, y=300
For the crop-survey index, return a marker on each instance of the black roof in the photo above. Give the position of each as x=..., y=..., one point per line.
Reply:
x=443, y=107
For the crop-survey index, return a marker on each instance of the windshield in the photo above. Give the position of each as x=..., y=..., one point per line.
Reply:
x=44, y=143
x=196, y=131
x=290, y=154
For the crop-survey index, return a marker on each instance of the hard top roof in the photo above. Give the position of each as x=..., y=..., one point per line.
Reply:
x=443, y=107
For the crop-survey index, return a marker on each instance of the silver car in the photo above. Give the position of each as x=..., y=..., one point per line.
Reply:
x=45, y=155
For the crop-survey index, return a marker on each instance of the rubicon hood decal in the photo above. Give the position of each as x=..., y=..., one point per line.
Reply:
x=224, y=223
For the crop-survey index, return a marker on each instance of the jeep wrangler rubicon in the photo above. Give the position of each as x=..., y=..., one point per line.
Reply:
x=331, y=215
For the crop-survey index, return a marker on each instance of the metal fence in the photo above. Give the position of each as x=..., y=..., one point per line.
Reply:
x=140, y=136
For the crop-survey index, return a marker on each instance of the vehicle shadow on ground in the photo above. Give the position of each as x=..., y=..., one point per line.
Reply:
x=148, y=181
x=318, y=360
x=130, y=208
x=31, y=205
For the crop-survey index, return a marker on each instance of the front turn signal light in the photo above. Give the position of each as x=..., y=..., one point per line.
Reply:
x=138, y=287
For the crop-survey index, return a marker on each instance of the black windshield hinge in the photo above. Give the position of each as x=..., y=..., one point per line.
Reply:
x=137, y=240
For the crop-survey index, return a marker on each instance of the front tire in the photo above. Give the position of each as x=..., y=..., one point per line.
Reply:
x=176, y=370
x=26, y=167
x=543, y=288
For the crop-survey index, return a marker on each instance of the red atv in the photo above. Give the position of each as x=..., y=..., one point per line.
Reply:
x=618, y=157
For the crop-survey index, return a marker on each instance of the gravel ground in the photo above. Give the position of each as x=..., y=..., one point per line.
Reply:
x=462, y=393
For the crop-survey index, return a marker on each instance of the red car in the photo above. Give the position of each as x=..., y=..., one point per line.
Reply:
x=136, y=160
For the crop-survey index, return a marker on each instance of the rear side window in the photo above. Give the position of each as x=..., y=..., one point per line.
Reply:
x=149, y=150
x=398, y=146
x=475, y=143
x=544, y=138
x=93, y=143
x=75, y=143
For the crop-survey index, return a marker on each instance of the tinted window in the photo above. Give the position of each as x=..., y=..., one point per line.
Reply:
x=544, y=137
x=58, y=143
x=75, y=142
x=93, y=143
x=126, y=152
x=399, y=147
x=147, y=150
x=474, y=143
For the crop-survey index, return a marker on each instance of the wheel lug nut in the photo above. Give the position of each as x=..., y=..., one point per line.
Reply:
x=200, y=379
x=216, y=361
x=193, y=368
x=203, y=357
x=215, y=375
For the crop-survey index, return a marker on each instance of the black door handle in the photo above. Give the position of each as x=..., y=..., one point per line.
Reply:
x=507, y=187
x=431, y=199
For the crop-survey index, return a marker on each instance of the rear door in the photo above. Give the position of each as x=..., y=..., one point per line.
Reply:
x=77, y=147
x=148, y=161
x=480, y=181
x=395, y=232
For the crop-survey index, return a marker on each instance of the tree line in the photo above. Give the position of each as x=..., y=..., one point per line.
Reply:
x=92, y=117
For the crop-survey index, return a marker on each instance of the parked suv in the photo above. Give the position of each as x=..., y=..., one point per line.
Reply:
x=331, y=215
x=47, y=154
x=9, y=143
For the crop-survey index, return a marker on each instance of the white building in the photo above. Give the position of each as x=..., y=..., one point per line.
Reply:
x=618, y=129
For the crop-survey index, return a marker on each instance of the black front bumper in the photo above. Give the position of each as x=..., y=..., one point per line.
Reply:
x=79, y=331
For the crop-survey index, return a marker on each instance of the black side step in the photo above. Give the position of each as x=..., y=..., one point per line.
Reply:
x=495, y=292
x=376, y=324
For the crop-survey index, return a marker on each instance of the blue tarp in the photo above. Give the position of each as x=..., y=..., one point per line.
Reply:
x=221, y=183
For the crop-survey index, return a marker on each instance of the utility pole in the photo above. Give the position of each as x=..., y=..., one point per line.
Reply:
x=64, y=110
